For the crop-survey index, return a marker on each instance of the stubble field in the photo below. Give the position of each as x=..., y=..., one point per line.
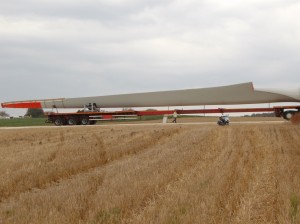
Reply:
x=243, y=173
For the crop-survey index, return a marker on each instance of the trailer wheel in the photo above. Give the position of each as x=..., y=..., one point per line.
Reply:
x=288, y=114
x=58, y=122
x=71, y=121
x=85, y=121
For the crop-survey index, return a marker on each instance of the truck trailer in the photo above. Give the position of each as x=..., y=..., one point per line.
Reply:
x=243, y=93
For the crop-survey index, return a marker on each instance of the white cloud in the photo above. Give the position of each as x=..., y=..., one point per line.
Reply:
x=82, y=48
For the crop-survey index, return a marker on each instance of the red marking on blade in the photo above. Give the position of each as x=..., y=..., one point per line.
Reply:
x=22, y=105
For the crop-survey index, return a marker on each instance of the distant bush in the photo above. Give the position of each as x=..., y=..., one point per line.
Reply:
x=35, y=113
x=3, y=114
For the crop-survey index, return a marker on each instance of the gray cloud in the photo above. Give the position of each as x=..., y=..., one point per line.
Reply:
x=82, y=48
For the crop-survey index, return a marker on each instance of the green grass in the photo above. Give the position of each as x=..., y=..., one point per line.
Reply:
x=155, y=117
x=111, y=216
x=294, y=207
x=19, y=122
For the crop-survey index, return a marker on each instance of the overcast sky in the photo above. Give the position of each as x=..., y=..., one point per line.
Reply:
x=73, y=48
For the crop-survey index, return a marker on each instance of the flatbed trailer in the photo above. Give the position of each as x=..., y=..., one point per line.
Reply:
x=91, y=117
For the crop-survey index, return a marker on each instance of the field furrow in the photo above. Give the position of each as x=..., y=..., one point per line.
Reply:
x=37, y=166
x=155, y=174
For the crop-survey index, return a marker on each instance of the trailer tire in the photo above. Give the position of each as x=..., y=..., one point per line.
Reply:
x=72, y=121
x=288, y=114
x=58, y=122
x=85, y=121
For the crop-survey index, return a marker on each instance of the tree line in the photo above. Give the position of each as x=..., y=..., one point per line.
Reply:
x=31, y=112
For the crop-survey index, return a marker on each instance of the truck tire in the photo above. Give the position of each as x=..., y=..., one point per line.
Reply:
x=72, y=121
x=58, y=122
x=288, y=114
x=85, y=121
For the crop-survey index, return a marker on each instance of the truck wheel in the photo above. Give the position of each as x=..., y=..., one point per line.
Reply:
x=71, y=121
x=58, y=122
x=288, y=114
x=85, y=121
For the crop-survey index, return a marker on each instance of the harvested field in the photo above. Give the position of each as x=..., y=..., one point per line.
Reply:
x=244, y=173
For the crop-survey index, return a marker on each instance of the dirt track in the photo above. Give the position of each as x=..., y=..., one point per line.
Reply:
x=153, y=174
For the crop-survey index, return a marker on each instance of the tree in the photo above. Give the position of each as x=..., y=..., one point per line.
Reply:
x=3, y=114
x=35, y=113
